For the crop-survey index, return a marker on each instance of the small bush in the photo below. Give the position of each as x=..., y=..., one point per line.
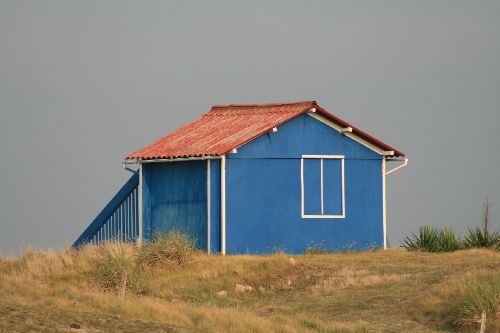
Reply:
x=168, y=252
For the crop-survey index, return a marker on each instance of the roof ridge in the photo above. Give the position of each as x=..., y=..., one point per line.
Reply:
x=214, y=113
x=220, y=106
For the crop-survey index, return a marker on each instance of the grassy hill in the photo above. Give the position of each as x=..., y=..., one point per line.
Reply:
x=379, y=291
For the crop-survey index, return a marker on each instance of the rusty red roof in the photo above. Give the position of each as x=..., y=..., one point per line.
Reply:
x=226, y=127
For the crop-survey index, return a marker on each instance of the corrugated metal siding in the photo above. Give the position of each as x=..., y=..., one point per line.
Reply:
x=227, y=127
x=122, y=225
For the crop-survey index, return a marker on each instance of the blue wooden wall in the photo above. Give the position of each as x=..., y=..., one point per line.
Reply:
x=175, y=198
x=263, y=193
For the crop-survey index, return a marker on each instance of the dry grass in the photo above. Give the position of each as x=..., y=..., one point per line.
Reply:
x=380, y=291
x=348, y=277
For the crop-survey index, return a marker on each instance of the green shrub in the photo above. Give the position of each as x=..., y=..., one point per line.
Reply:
x=169, y=252
x=112, y=264
x=202, y=294
x=481, y=238
x=481, y=294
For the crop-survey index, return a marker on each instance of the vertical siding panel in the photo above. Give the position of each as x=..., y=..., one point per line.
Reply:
x=113, y=225
x=103, y=231
x=129, y=234
x=136, y=213
x=124, y=215
x=136, y=220
x=133, y=214
x=124, y=220
x=128, y=218
x=121, y=225
x=132, y=201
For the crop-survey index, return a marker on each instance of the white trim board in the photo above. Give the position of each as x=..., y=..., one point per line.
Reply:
x=384, y=204
x=302, y=194
x=139, y=237
x=223, y=203
x=208, y=206
x=163, y=160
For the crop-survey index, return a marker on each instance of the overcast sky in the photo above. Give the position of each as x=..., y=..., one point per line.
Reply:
x=83, y=83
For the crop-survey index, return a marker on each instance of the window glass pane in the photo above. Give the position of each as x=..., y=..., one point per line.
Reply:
x=332, y=186
x=312, y=186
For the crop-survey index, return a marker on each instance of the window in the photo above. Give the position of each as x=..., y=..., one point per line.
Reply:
x=322, y=186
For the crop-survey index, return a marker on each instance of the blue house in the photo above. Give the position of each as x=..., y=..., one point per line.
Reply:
x=256, y=179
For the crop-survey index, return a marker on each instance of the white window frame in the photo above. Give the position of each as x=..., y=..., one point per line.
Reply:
x=321, y=158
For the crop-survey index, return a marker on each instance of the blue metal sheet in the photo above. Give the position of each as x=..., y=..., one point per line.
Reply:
x=215, y=245
x=264, y=193
x=312, y=186
x=301, y=136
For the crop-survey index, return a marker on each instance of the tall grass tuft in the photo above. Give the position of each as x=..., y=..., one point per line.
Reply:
x=447, y=241
x=481, y=294
x=112, y=262
x=174, y=250
x=481, y=237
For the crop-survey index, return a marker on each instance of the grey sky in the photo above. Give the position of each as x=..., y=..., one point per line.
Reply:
x=84, y=83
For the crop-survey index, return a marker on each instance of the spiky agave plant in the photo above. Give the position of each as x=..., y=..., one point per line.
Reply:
x=481, y=238
x=426, y=240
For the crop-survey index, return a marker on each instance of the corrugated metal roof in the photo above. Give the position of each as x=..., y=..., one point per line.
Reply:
x=226, y=127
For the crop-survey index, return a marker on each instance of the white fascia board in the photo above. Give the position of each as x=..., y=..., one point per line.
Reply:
x=351, y=135
x=162, y=160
